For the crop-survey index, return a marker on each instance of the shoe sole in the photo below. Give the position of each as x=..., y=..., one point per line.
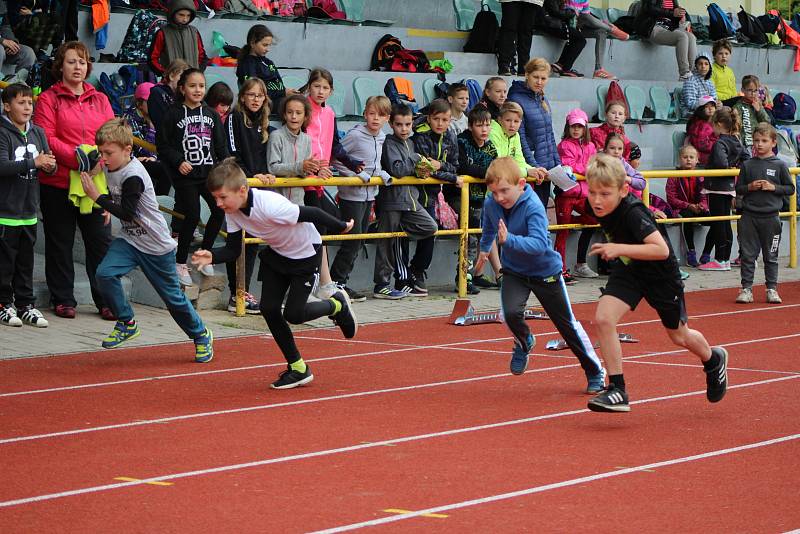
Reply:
x=297, y=384
x=36, y=325
x=11, y=325
x=232, y=309
x=134, y=336
x=388, y=297
x=724, y=361
x=616, y=408
x=352, y=314
x=744, y=301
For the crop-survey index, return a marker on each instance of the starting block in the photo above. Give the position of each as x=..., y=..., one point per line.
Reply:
x=560, y=344
x=464, y=314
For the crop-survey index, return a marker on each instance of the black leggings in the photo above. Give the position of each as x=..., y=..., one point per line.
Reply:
x=583, y=244
x=719, y=205
x=280, y=274
x=188, y=196
x=688, y=233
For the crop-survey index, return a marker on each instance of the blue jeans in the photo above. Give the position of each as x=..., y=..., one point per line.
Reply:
x=121, y=259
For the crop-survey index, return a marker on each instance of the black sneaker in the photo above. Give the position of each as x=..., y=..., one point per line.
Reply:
x=291, y=379
x=345, y=319
x=610, y=400
x=484, y=282
x=251, y=306
x=418, y=282
x=717, y=378
x=354, y=295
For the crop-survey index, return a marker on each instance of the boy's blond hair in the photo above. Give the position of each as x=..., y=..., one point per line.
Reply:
x=511, y=107
x=227, y=174
x=765, y=128
x=503, y=170
x=114, y=131
x=606, y=171
x=687, y=148
x=381, y=104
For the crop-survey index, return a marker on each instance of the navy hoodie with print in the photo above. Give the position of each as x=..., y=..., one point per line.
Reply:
x=19, y=186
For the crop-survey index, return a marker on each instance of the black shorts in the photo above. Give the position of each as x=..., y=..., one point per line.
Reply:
x=664, y=295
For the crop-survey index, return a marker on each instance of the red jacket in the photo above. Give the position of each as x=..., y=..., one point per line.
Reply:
x=576, y=153
x=69, y=120
x=684, y=191
x=600, y=133
x=700, y=135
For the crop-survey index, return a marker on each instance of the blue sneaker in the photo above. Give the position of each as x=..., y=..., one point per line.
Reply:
x=386, y=292
x=122, y=332
x=597, y=383
x=204, y=347
x=519, y=356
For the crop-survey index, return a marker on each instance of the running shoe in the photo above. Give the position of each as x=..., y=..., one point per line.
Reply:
x=8, y=316
x=204, y=347
x=121, y=333
x=596, y=383
x=345, y=319
x=387, y=293
x=33, y=317
x=290, y=378
x=610, y=400
x=584, y=271
x=773, y=297
x=183, y=274
x=717, y=378
x=745, y=296
x=714, y=265
x=519, y=355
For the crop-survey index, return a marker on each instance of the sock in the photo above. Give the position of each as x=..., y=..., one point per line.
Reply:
x=712, y=362
x=132, y=322
x=299, y=366
x=337, y=305
x=618, y=381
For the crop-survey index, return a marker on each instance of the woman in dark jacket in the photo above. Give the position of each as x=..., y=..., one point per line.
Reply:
x=558, y=22
x=536, y=131
x=664, y=22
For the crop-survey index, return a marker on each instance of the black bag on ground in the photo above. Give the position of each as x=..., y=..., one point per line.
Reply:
x=485, y=29
x=751, y=27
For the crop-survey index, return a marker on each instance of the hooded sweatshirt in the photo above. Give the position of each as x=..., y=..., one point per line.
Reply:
x=245, y=142
x=399, y=159
x=285, y=154
x=444, y=149
x=193, y=135
x=764, y=203
x=728, y=153
x=362, y=144
x=750, y=119
x=69, y=120
x=508, y=146
x=178, y=41
x=527, y=250
x=19, y=185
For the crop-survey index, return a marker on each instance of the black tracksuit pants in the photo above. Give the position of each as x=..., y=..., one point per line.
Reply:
x=16, y=264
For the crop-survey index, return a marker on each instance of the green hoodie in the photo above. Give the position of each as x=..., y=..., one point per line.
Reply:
x=508, y=146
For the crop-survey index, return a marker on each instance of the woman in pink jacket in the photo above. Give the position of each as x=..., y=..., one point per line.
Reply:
x=70, y=112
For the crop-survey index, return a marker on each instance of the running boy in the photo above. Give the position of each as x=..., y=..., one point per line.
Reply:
x=289, y=263
x=646, y=268
x=514, y=216
x=764, y=182
x=144, y=242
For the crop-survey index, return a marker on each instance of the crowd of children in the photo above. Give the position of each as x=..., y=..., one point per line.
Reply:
x=207, y=144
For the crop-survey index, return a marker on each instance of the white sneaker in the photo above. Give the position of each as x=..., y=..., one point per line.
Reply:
x=583, y=270
x=183, y=274
x=207, y=270
x=773, y=297
x=745, y=296
x=8, y=316
x=326, y=291
x=33, y=317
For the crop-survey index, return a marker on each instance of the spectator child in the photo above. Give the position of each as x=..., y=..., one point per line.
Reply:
x=248, y=134
x=615, y=118
x=615, y=147
x=645, y=268
x=575, y=149
x=254, y=63
x=475, y=153
x=364, y=142
x=190, y=142
x=686, y=199
x=399, y=207
x=323, y=131
x=289, y=147
x=23, y=152
x=504, y=135
x=458, y=97
x=722, y=75
x=162, y=95
x=764, y=183
x=699, y=85
x=727, y=153
x=700, y=131
x=514, y=217
x=495, y=93
x=289, y=264
x=178, y=39
x=220, y=98
x=144, y=242
x=750, y=109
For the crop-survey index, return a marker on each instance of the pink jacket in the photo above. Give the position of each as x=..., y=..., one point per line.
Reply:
x=576, y=153
x=679, y=196
x=69, y=120
x=599, y=134
x=320, y=130
x=700, y=135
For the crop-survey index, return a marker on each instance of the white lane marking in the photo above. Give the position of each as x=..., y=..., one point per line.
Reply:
x=558, y=485
x=360, y=446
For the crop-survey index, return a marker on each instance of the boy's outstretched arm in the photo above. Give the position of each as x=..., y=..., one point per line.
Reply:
x=654, y=248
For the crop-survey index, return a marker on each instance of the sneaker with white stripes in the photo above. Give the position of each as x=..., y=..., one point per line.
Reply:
x=33, y=317
x=610, y=400
x=717, y=378
x=8, y=316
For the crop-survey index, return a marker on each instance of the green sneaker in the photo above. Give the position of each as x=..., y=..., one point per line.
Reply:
x=122, y=332
x=204, y=347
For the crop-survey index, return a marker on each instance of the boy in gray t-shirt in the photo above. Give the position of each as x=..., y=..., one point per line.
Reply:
x=144, y=242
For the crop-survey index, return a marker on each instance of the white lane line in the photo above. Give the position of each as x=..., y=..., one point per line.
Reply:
x=333, y=397
x=357, y=447
x=558, y=485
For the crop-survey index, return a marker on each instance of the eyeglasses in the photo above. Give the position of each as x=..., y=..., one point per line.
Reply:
x=750, y=91
x=255, y=96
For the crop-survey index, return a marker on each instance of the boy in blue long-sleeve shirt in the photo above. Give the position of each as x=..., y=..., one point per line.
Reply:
x=514, y=215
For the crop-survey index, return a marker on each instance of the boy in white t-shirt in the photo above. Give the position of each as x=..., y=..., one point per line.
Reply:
x=289, y=263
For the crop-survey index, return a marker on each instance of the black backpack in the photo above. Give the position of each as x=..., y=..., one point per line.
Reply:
x=485, y=29
x=751, y=27
x=769, y=23
x=384, y=52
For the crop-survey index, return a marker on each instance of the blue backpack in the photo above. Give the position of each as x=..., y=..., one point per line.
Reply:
x=784, y=107
x=719, y=24
x=120, y=87
x=475, y=92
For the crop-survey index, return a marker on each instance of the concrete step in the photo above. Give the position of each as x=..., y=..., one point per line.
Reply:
x=82, y=289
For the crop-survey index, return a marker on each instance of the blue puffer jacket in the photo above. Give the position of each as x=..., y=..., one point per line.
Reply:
x=536, y=131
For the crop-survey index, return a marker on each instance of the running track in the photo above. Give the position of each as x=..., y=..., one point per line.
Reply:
x=413, y=426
